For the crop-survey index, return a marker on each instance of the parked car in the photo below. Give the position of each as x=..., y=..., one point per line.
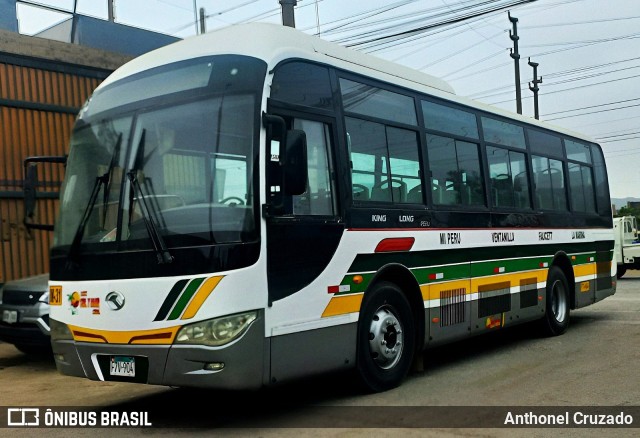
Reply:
x=24, y=314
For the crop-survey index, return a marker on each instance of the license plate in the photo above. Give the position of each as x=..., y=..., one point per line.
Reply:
x=122, y=366
x=10, y=316
x=55, y=295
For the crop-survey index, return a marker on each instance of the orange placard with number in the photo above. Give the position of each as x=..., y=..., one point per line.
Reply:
x=55, y=295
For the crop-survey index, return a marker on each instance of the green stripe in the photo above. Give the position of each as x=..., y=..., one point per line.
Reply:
x=431, y=257
x=466, y=269
x=483, y=269
x=184, y=299
x=454, y=272
x=583, y=259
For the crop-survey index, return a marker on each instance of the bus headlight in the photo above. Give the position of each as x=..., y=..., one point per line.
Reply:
x=216, y=332
x=59, y=331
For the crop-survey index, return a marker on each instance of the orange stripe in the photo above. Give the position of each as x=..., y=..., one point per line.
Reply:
x=342, y=305
x=198, y=300
x=163, y=336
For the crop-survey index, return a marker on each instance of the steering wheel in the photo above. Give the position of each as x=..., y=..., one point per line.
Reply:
x=360, y=188
x=233, y=198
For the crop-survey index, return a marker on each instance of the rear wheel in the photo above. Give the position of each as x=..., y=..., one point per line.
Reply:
x=556, y=320
x=386, y=338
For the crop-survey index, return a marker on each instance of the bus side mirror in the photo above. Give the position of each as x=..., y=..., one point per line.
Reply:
x=295, y=163
x=29, y=188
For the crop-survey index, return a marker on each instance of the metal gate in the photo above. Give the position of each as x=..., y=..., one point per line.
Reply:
x=39, y=100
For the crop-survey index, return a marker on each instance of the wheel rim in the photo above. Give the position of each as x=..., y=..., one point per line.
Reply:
x=386, y=340
x=559, y=301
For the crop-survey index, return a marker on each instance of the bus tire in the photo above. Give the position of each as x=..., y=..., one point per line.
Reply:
x=621, y=271
x=386, y=338
x=556, y=319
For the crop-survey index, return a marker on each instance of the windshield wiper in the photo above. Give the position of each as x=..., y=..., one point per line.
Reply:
x=162, y=253
x=72, y=255
x=115, y=157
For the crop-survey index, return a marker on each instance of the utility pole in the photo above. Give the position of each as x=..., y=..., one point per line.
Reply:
x=110, y=11
x=535, y=87
x=288, y=18
x=203, y=25
x=516, y=58
x=195, y=14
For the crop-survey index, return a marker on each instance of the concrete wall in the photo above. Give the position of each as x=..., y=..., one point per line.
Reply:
x=41, y=48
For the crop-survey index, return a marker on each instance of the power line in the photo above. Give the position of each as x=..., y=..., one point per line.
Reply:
x=593, y=106
x=456, y=19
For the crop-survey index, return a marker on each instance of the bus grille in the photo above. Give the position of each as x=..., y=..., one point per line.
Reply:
x=494, y=298
x=452, y=306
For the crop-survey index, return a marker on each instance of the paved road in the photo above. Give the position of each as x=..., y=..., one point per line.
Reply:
x=594, y=364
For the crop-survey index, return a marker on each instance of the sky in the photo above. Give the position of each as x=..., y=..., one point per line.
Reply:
x=588, y=51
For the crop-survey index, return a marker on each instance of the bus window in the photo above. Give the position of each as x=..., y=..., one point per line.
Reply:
x=384, y=161
x=455, y=171
x=230, y=185
x=404, y=165
x=508, y=178
x=503, y=133
x=184, y=176
x=371, y=101
x=581, y=185
x=368, y=155
x=449, y=120
x=549, y=183
x=318, y=199
x=302, y=83
x=600, y=181
x=546, y=144
x=577, y=151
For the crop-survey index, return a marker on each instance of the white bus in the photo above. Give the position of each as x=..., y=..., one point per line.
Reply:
x=255, y=205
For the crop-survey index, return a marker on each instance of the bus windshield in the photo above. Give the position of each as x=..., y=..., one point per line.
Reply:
x=180, y=163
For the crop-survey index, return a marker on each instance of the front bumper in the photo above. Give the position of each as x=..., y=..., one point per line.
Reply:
x=245, y=362
x=32, y=327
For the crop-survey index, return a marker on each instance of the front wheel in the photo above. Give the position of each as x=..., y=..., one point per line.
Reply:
x=556, y=319
x=386, y=338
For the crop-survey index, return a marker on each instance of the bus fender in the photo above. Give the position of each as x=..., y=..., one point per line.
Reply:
x=403, y=277
x=561, y=260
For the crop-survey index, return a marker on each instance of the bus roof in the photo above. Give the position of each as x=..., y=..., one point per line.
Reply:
x=274, y=43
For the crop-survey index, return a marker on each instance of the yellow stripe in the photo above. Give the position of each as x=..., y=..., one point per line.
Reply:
x=432, y=291
x=342, y=305
x=514, y=279
x=196, y=302
x=351, y=303
x=163, y=336
x=582, y=270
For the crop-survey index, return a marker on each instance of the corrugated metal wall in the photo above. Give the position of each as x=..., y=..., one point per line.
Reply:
x=39, y=100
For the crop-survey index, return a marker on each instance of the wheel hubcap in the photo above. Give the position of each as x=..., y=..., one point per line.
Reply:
x=385, y=338
x=559, y=301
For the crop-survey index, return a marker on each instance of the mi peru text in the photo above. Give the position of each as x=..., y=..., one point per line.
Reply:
x=568, y=419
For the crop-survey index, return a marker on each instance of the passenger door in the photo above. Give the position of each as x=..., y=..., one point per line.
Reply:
x=303, y=234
